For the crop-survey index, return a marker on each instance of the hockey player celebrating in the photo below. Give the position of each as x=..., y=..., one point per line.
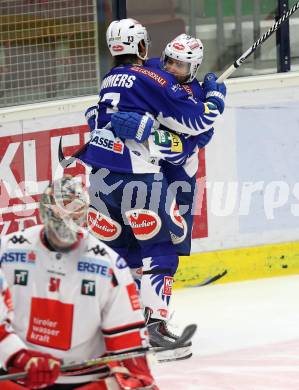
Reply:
x=140, y=216
x=182, y=57
x=67, y=289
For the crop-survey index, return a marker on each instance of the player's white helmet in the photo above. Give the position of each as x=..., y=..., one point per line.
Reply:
x=63, y=209
x=123, y=37
x=186, y=49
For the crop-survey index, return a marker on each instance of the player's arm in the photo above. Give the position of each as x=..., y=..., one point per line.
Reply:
x=177, y=110
x=204, y=138
x=91, y=117
x=124, y=331
x=163, y=144
x=10, y=343
x=187, y=115
x=42, y=369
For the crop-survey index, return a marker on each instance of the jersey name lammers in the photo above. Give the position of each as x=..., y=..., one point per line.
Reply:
x=118, y=80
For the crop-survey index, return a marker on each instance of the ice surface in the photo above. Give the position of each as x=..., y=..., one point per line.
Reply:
x=247, y=338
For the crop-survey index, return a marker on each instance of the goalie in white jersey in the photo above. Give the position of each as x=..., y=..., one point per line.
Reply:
x=74, y=299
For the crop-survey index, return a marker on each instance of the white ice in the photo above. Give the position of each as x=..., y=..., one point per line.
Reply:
x=247, y=338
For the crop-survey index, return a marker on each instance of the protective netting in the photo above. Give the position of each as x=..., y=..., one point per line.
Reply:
x=48, y=50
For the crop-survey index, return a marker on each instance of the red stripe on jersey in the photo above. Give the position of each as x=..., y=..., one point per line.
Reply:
x=123, y=328
x=122, y=342
x=7, y=299
x=3, y=332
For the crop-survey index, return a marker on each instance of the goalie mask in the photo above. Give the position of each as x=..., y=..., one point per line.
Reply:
x=63, y=209
x=187, y=50
x=123, y=37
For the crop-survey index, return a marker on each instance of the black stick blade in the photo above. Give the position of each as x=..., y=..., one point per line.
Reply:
x=64, y=162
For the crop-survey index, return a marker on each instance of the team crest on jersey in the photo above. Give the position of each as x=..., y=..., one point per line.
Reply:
x=180, y=222
x=105, y=139
x=19, y=256
x=88, y=287
x=21, y=277
x=101, y=226
x=144, y=223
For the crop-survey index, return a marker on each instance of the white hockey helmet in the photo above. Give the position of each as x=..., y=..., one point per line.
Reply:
x=123, y=37
x=186, y=49
x=63, y=209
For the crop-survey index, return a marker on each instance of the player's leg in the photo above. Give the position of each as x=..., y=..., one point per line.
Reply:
x=151, y=226
x=105, y=219
x=184, y=187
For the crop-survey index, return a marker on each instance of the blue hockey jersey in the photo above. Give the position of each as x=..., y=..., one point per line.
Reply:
x=164, y=144
x=143, y=90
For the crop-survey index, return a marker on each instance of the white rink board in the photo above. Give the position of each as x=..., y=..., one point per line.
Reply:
x=255, y=145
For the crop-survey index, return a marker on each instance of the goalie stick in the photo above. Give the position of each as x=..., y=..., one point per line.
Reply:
x=186, y=335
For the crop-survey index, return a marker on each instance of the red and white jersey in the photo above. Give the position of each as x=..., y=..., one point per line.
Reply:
x=75, y=306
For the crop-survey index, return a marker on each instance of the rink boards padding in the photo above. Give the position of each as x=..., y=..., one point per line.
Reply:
x=240, y=264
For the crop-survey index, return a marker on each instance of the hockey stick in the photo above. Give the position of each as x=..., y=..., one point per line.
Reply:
x=257, y=43
x=65, y=162
x=186, y=335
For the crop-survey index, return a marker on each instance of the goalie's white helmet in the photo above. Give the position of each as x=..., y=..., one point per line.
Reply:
x=186, y=49
x=123, y=37
x=63, y=209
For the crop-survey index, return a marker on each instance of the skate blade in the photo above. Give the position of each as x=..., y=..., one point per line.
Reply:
x=173, y=354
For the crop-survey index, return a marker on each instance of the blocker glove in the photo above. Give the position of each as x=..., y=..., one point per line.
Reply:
x=42, y=368
x=214, y=92
x=131, y=125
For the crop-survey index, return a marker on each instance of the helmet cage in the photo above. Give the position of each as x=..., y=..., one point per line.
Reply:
x=63, y=209
x=186, y=49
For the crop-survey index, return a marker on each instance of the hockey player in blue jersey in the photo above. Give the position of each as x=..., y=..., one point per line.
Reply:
x=181, y=57
x=129, y=196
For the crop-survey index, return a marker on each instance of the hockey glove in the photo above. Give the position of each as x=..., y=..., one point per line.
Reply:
x=214, y=92
x=204, y=138
x=131, y=125
x=133, y=374
x=42, y=368
x=90, y=116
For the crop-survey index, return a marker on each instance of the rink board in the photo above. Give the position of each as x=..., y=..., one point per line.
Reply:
x=240, y=264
